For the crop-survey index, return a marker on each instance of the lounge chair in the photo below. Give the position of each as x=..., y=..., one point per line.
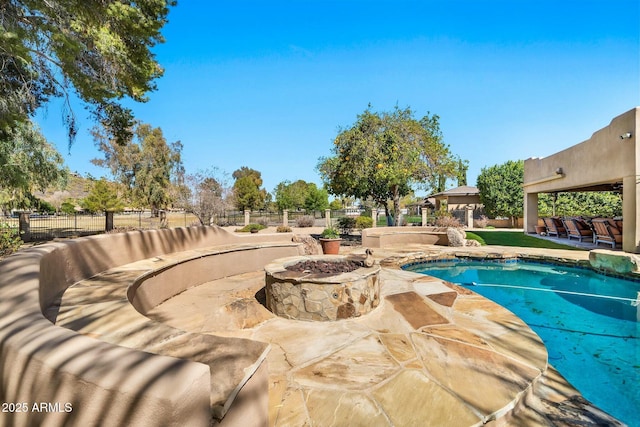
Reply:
x=554, y=227
x=606, y=232
x=577, y=229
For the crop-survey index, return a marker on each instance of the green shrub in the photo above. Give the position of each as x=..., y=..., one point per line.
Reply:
x=364, y=222
x=9, y=239
x=249, y=227
x=283, y=229
x=346, y=224
x=330, y=233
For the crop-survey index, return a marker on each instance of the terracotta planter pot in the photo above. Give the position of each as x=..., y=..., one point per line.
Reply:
x=330, y=246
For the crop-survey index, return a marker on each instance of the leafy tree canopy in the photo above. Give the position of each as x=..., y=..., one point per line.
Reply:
x=99, y=50
x=147, y=167
x=589, y=204
x=382, y=155
x=291, y=195
x=317, y=198
x=500, y=189
x=246, y=188
x=28, y=162
x=103, y=197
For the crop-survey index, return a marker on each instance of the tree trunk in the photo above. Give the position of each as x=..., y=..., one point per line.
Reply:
x=396, y=205
x=387, y=214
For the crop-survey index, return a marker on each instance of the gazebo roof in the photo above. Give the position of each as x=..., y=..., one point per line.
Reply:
x=465, y=190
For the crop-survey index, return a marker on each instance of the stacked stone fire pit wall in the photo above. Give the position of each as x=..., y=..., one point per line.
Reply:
x=320, y=296
x=102, y=382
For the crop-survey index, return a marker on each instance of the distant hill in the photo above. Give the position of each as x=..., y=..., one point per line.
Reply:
x=77, y=188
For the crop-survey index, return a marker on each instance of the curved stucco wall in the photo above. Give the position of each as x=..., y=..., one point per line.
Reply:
x=152, y=289
x=80, y=380
x=386, y=236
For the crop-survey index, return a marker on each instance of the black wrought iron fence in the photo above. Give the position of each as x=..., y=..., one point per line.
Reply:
x=46, y=227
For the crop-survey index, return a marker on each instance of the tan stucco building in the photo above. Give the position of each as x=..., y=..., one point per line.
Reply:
x=609, y=160
x=463, y=202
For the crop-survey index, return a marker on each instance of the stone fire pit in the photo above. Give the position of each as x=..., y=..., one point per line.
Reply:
x=316, y=295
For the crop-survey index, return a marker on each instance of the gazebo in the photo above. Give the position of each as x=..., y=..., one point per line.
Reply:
x=609, y=160
x=461, y=201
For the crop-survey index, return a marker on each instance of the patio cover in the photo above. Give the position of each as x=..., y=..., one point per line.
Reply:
x=610, y=159
x=457, y=198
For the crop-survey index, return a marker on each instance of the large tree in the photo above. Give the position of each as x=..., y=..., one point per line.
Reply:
x=291, y=195
x=97, y=50
x=206, y=195
x=317, y=198
x=28, y=162
x=301, y=194
x=148, y=166
x=501, y=189
x=103, y=197
x=383, y=155
x=246, y=189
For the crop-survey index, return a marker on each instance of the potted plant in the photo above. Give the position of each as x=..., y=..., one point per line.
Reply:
x=330, y=241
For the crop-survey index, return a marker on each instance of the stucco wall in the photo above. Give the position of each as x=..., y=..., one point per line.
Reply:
x=381, y=237
x=92, y=382
x=605, y=158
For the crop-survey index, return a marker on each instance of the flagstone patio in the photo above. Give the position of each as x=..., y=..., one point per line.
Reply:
x=432, y=353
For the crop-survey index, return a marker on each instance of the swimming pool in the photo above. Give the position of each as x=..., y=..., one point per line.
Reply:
x=588, y=321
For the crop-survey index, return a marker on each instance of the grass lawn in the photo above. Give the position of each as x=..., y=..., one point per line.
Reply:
x=510, y=238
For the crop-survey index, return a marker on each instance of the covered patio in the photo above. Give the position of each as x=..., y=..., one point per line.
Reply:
x=608, y=161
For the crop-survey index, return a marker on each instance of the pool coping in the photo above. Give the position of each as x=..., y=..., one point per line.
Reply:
x=504, y=254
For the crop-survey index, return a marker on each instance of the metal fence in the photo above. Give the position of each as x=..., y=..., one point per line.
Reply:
x=47, y=227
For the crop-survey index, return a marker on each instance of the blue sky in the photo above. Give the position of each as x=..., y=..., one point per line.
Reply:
x=268, y=84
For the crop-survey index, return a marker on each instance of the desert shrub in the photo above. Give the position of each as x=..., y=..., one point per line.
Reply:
x=305, y=221
x=346, y=224
x=283, y=229
x=364, y=222
x=482, y=222
x=263, y=220
x=124, y=229
x=448, y=221
x=250, y=227
x=9, y=239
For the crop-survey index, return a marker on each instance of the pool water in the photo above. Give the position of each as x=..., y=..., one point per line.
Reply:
x=589, y=322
